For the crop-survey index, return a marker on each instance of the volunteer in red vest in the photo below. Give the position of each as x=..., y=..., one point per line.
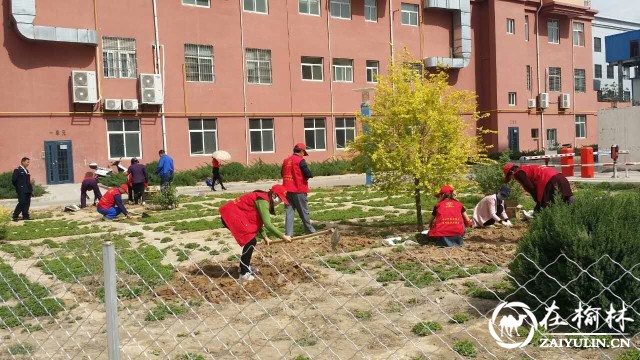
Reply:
x=539, y=181
x=295, y=175
x=448, y=219
x=215, y=165
x=249, y=215
x=89, y=183
x=111, y=205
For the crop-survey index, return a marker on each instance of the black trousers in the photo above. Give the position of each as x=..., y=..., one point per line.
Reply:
x=245, y=259
x=557, y=182
x=138, y=192
x=24, y=202
x=216, y=176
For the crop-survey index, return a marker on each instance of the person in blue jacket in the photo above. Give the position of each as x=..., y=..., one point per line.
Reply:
x=165, y=170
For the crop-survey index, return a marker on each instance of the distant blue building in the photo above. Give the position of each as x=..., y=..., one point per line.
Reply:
x=623, y=50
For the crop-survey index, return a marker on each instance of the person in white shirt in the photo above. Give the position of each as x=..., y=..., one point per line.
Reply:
x=490, y=210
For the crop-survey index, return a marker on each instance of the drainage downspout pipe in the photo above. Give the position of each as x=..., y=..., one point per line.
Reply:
x=157, y=71
x=542, y=130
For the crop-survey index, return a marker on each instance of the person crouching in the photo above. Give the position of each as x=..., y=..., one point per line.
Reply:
x=491, y=210
x=448, y=219
x=249, y=215
x=111, y=205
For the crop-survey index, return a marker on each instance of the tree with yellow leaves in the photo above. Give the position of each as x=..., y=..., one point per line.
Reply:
x=422, y=134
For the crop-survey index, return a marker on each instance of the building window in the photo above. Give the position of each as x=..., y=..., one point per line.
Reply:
x=257, y=6
x=341, y=9
x=345, y=131
x=371, y=10
x=512, y=99
x=534, y=133
x=581, y=126
x=373, y=67
x=555, y=79
x=261, y=135
x=553, y=30
x=609, y=71
x=634, y=49
x=343, y=70
x=204, y=3
x=511, y=26
x=528, y=77
x=626, y=73
x=119, y=58
x=198, y=60
x=203, y=136
x=526, y=27
x=626, y=96
x=579, y=80
x=578, y=34
x=598, y=72
x=410, y=14
x=597, y=44
x=312, y=68
x=315, y=134
x=124, y=138
x=309, y=7
x=259, y=66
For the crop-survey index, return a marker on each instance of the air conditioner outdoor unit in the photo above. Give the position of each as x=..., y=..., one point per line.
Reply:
x=130, y=104
x=543, y=100
x=565, y=101
x=84, y=87
x=112, y=104
x=532, y=103
x=151, y=89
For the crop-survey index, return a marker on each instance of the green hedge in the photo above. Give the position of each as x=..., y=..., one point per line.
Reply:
x=7, y=191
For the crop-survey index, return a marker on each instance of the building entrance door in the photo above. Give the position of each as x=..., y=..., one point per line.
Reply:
x=59, y=162
x=552, y=139
x=514, y=140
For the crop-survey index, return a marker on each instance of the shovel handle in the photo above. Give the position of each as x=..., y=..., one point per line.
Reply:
x=317, y=233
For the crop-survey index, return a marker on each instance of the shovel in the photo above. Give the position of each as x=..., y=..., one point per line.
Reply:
x=335, y=237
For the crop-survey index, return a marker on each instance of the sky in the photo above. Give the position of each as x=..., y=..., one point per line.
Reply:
x=618, y=9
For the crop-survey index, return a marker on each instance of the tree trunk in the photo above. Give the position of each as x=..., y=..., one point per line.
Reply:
x=418, y=206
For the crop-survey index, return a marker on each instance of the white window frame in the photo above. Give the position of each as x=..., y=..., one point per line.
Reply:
x=553, y=27
x=304, y=64
x=599, y=47
x=198, y=58
x=371, y=10
x=578, y=29
x=203, y=131
x=373, y=70
x=262, y=131
x=559, y=76
x=513, y=99
x=526, y=28
x=122, y=51
x=258, y=63
x=195, y=3
x=309, y=2
x=511, y=26
x=124, y=138
x=343, y=6
x=344, y=128
x=580, y=80
x=410, y=10
x=254, y=2
x=581, y=121
x=348, y=70
x=315, y=129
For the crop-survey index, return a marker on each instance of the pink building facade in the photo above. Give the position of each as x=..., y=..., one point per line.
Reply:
x=254, y=77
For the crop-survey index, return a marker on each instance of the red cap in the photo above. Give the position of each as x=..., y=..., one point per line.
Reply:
x=281, y=191
x=302, y=147
x=445, y=190
x=506, y=169
x=124, y=188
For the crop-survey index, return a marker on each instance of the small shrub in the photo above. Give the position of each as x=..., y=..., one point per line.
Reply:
x=7, y=191
x=490, y=178
x=459, y=318
x=20, y=349
x=426, y=328
x=363, y=315
x=465, y=348
x=166, y=240
x=4, y=222
x=166, y=199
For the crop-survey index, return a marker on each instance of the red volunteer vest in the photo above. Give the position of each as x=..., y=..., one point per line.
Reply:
x=539, y=176
x=292, y=177
x=449, y=220
x=108, y=199
x=242, y=216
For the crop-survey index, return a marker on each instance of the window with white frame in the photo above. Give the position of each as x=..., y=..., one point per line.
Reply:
x=512, y=99
x=581, y=126
x=528, y=77
x=597, y=71
x=124, y=138
x=259, y=66
x=204, y=3
x=553, y=31
x=526, y=27
x=315, y=134
x=371, y=10
x=343, y=70
x=373, y=67
x=345, y=132
x=578, y=34
x=409, y=14
x=203, y=136
x=555, y=79
x=119, y=58
x=309, y=7
x=511, y=26
x=579, y=80
x=597, y=44
x=257, y=6
x=261, y=135
x=341, y=9
x=312, y=68
x=198, y=61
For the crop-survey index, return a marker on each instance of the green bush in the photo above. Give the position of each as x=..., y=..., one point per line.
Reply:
x=165, y=199
x=490, y=178
x=585, y=232
x=4, y=222
x=7, y=191
x=426, y=328
x=465, y=348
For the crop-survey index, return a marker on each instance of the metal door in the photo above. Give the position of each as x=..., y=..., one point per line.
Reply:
x=552, y=139
x=59, y=162
x=514, y=139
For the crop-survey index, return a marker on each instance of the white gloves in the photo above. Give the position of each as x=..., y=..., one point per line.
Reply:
x=507, y=223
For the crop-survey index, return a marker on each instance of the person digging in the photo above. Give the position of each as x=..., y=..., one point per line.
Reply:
x=248, y=216
x=111, y=205
x=540, y=182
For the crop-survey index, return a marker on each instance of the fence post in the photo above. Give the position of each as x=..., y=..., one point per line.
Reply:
x=110, y=300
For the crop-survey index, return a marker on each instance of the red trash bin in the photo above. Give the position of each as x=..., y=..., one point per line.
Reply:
x=586, y=158
x=567, y=160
